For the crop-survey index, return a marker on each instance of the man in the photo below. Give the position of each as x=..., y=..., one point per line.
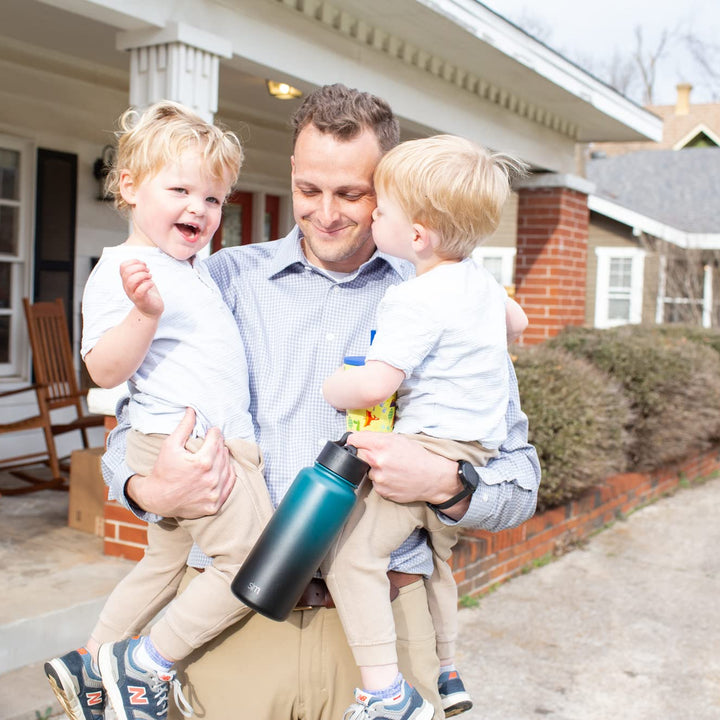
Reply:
x=302, y=303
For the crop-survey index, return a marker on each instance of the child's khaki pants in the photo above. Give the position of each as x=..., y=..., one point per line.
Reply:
x=207, y=606
x=356, y=570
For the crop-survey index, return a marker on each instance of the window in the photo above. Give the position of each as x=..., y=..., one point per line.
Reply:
x=619, y=290
x=498, y=261
x=15, y=208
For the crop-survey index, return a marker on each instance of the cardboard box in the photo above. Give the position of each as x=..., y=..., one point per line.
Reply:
x=86, y=506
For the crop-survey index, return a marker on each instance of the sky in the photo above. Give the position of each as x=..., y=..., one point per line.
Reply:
x=594, y=29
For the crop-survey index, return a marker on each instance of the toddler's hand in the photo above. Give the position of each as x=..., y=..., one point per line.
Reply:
x=140, y=288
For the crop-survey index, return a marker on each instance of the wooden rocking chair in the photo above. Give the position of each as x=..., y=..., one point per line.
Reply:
x=55, y=387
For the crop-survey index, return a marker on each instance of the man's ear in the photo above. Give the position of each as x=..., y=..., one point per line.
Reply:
x=292, y=164
x=127, y=187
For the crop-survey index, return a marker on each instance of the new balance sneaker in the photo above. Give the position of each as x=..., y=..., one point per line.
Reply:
x=406, y=705
x=78, y=689
x=136, y=693
x=454, y=698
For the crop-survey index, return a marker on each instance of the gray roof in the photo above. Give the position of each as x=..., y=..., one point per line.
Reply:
x=680, y=188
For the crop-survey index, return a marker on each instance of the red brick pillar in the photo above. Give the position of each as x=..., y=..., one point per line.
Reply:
x=551, y=261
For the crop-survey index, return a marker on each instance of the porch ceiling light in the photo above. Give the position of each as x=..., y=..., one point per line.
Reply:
x=282, y=91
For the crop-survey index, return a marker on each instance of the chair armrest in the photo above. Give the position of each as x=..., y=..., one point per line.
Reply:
x=17, y=391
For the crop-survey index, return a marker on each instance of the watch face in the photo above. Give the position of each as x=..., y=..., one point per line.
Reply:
x=468, y=475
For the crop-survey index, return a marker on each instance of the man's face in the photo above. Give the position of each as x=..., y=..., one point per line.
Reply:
x=333, y=197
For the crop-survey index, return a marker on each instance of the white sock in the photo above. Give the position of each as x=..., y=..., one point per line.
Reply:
x=147, y=656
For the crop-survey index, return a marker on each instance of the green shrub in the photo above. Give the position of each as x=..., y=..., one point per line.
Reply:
x=709, y=337
x=578, y=421
x=673, y=385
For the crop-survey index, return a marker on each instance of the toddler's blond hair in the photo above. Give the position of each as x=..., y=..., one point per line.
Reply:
x=153, y=138
x=450, y=185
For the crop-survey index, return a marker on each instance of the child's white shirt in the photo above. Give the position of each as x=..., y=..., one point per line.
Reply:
x=446, y=331
x=197, y=358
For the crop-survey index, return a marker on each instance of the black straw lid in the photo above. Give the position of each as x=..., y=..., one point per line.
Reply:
x=343, y=461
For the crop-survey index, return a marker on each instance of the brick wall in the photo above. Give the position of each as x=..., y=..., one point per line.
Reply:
x=550, y=271
x=482, y=559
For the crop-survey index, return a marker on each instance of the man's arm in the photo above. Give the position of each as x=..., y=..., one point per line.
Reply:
x=403, y=471
x=182, y=484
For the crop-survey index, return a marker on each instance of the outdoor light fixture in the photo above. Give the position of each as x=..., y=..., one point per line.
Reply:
x=282, y=91
x=101, y=169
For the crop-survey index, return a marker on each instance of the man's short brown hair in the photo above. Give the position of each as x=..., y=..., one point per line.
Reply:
x=345, y=113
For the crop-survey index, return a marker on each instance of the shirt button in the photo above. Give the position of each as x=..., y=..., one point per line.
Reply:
x=329, y=337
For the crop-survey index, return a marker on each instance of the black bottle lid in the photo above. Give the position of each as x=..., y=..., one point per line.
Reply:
x=343, y=461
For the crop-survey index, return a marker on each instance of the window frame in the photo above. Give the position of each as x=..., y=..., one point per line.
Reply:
x=605, y=256
x=507, y=261
x=17, y=368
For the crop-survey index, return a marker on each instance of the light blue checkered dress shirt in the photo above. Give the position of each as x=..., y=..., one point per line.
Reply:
x=297, y=324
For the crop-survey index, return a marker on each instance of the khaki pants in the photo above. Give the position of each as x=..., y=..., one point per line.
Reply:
x=208, y=606
x=302, y=668
x=356, y=569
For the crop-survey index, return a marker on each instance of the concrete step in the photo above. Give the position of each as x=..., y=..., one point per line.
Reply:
x=54, y=582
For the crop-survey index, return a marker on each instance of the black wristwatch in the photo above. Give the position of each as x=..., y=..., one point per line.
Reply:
x=469, y=478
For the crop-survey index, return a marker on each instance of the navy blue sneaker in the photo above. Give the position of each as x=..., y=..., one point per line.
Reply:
x=454, y=698
x=406, y=705
x=77, y=687
x=136, y=693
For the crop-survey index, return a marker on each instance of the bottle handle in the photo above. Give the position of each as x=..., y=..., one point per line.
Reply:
x=342, y=442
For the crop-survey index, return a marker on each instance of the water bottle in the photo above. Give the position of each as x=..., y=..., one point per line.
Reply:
x=293, y=544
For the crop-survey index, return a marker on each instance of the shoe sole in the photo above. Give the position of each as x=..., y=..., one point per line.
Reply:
x=108, y=673
x=62, y=685
x=456, y=703
x=427, y=712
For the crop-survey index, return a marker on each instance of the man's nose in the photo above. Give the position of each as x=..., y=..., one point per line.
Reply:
x=327, y=211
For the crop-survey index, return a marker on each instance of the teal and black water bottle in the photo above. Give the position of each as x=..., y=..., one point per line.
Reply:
x=293, y=544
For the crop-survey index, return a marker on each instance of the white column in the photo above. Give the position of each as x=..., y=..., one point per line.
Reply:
x=707, y=297
x=662, y=281
x=177, y=62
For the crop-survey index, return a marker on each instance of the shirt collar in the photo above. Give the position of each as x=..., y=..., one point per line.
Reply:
x=290, y=253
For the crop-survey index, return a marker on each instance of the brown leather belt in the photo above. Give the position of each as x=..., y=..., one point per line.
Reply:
x=316, y=594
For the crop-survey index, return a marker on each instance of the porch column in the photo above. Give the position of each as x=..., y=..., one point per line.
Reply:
x=177, y=62
x=551, y=262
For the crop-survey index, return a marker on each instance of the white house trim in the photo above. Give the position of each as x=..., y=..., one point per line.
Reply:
x=701, y=128
x=643, y=223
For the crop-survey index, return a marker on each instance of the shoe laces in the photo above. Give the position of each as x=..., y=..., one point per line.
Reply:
x=356, y=712
x=160, y=687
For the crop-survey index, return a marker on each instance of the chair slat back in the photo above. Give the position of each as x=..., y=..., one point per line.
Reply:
x=51, y=351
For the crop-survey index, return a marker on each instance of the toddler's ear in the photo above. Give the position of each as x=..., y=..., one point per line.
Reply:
x=423, y=239
x=127, y=187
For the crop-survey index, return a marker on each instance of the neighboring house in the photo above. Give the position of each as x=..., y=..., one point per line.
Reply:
x=68, y=68
x=684, y=126
x=654, y=238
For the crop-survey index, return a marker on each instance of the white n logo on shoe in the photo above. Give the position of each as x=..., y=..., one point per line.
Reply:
x=137, y=695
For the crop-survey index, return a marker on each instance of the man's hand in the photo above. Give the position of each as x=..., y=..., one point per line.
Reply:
x=403, y=471
x=184, y=484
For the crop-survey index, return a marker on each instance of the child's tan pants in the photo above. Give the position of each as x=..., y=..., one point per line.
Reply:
x=207, y=606
x=356, y=570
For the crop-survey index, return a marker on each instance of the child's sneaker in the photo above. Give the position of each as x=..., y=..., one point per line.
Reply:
x=406, y=705
x=454, y=698
x=77, y=687
x=134, y=692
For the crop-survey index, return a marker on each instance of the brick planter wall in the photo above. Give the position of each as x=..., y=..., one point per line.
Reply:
x=482, y=559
